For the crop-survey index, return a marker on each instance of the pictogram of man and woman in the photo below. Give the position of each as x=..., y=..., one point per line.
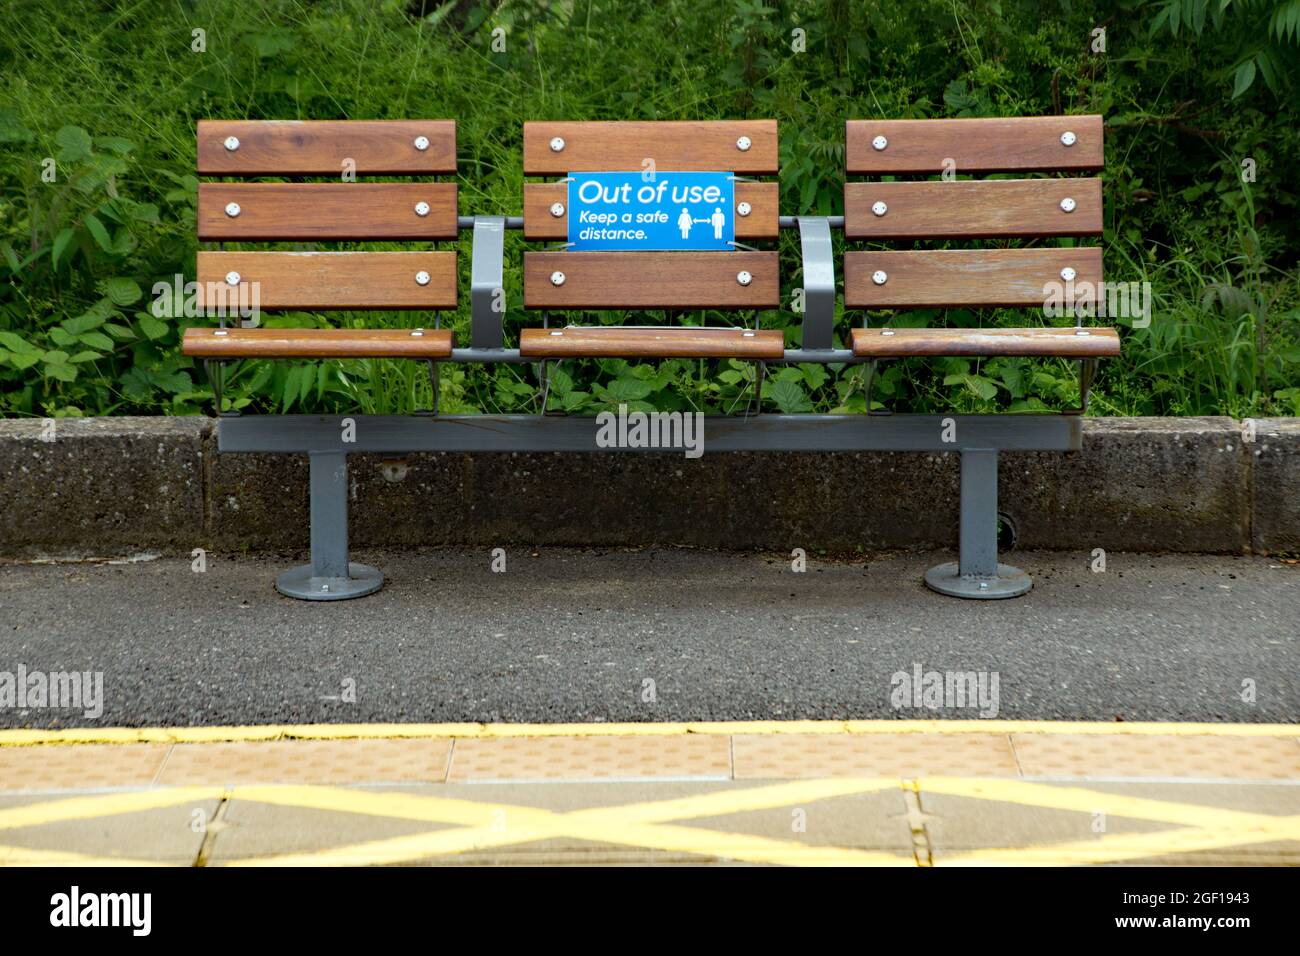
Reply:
x=717, y=220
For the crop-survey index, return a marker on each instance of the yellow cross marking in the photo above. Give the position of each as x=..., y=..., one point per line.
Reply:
x=488, y=825
x=472, y=825
x=1201, y=827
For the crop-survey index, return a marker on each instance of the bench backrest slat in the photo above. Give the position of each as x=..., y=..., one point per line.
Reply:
x=672, y=145
x=326, y=211
x=973, y=209
x=953, y=278
x=637, y=280
x=974, y=145
x=328, y=281
x=322, y=147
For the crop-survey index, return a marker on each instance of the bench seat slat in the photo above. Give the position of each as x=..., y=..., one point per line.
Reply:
x=236, y=343
x=668, y=342
x=539, y=223
x=673, y=145
x=651, y=280
x=321, y=147
x=955, y=278
x=1046, y=342
x=996, y=145
x=331, y=280
x=973, y=209
x=326, y=211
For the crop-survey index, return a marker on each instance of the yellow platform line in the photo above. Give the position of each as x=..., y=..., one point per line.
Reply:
x=267, y=732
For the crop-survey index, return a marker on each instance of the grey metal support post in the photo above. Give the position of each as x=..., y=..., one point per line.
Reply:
x=330, y=576
x=487, y=282
x=818, y=282
x=977, y=573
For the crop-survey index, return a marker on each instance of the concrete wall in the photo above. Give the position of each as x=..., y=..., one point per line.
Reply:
x=114, y=485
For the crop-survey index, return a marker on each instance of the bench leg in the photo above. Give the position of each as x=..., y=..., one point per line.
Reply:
x=330, y=576
x=977, y=573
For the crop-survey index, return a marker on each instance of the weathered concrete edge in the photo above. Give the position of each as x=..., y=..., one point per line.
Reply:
x=111, y=486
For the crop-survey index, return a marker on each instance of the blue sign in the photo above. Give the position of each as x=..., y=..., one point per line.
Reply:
x=643, y=211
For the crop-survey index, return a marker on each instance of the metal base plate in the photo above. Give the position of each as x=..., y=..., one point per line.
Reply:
x=299, y=582
x=947, y=579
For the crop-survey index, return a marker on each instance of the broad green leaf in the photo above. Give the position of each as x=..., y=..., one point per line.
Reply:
x=22, y=360
x=60, y=243
x=290, y=393
x=56, y=366
x=815, y=375
x=96, y=340
x=560, y=381
x=1244, y=76
x=83, y=323
x=115, y=144
x=788, y=395
x=121, y=291
x=976, y=384
x=119, y=332
x=150, y=326
x=16, y=343
x=572, y=401
x=74, y=143
x=625, y=390
x=100, y=234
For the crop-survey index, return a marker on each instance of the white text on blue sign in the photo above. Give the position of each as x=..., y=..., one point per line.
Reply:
x=662, y=211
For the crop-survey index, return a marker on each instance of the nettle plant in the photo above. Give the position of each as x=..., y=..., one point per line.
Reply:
x=76, y=333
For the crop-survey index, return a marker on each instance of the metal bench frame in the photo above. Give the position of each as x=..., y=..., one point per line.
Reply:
x=977, y=438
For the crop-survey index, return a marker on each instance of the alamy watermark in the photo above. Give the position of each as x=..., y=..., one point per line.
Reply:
x=59, y=690
x=945, y=690
x=133, y=911
x=233, y=298
x=626, y=429
x=1119, y=300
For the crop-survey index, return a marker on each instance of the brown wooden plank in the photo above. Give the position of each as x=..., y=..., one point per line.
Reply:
x=319, y=147
x=332, y=280
x=974, y=145
x=613, y=341
x=973, y=208
x=651, y=280
x=317, y=343
x=673, y=145
x=967, y=277
x=326, y=211
x=761, y=223
x=1068, y=343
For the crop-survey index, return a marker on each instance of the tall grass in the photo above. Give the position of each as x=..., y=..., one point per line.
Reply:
x=111, y=93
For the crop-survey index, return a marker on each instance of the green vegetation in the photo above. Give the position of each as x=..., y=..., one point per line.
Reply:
x=1198, y=96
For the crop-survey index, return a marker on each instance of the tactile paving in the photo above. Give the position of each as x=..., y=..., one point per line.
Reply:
x=1155, y=755
x=80, y=767
x=778, y=756
x=591, y=758
x=308, y=761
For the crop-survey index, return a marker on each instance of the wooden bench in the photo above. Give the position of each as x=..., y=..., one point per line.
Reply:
x=966, y=209
x=345, y=210
x=739, y=284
